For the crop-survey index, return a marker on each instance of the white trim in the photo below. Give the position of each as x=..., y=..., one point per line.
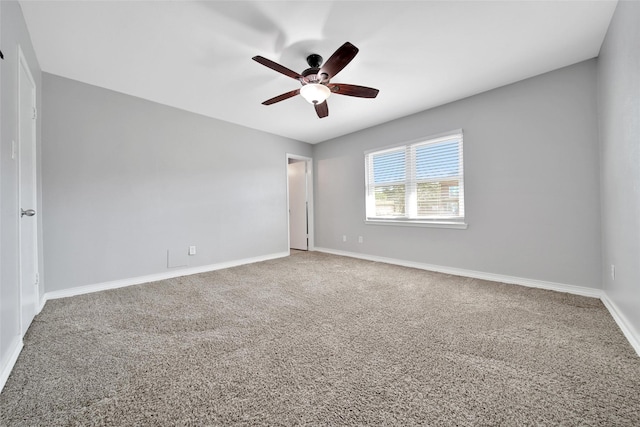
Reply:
x=43, y=301
x=87, y=289
x=6, y=369
x=437, y=137
x=416, y=223
x=625, y=326
x=531, y=283
x=629, y=332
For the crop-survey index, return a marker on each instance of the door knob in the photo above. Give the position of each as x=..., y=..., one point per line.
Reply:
x=28, y=212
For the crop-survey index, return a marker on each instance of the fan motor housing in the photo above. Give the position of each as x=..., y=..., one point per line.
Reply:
x=312, y=75
x=315, y=61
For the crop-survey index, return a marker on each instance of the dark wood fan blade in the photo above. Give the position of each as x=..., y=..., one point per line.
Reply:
x=281, y=97
x=353, y=90
x=322, y=109
x=277, y=67
x=338, y=60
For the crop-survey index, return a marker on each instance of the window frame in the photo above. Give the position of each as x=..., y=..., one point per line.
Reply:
x=411, y=182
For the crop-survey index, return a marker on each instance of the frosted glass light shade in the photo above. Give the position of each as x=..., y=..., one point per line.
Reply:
x=315, y=93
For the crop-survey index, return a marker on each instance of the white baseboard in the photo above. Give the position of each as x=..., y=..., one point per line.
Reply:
x=531, y=283
x=629, y=332
x=156, y=277
x=6, y=369
x=632, y=336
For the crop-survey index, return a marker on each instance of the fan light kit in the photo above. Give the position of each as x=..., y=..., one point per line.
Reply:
x=315, y=81
x=315, y=93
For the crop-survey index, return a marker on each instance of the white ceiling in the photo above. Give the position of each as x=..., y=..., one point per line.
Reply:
x=196, y=55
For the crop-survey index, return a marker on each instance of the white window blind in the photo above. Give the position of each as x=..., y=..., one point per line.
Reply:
x=419, y=182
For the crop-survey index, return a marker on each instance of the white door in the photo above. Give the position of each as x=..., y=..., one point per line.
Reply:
x=27, y=194
x=297, y=174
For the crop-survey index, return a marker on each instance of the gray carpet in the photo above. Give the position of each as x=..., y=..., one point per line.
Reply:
x=319, y=339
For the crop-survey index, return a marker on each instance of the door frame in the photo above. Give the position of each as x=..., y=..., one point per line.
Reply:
x=309, y=163
x=24, y=65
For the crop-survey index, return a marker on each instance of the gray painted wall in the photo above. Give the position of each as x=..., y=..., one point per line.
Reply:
x=531, y=183
x=13, y=33
x=619, y=105
x=125, y=180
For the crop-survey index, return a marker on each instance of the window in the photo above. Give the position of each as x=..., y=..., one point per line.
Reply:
x=417, y=183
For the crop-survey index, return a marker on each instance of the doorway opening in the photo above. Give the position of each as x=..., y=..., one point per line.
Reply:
x=300, y=202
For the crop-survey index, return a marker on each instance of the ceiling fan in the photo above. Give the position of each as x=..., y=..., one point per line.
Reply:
x=316, y=85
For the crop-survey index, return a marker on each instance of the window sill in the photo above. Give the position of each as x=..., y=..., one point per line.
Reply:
x=410, y=223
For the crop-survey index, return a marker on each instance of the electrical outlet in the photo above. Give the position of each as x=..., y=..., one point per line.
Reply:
x=360, y=240
x=613, y=272
x=344, y=237
x=192, y=250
